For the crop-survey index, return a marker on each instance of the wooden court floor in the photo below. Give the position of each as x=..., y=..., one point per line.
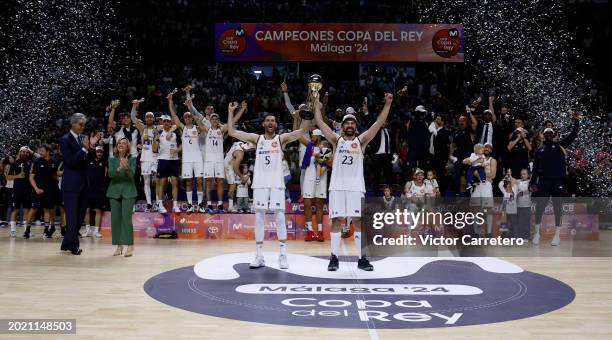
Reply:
x=105, y=294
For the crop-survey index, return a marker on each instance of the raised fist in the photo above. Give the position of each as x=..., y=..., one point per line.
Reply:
x=388, y=98
x=284, y=86
x=232, y=106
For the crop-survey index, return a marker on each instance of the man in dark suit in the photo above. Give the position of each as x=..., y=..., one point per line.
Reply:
x=381, y=149
x=75, y=146
x=439, y=148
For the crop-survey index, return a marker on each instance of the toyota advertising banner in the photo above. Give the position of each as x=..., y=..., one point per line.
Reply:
x=359, y=42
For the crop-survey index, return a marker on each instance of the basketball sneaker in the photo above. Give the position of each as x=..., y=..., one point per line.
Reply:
x=220, y=209
x=556, y=239
x=189, y=208
x=310, y=236
x=320, y=236
x=148, y=208
x=282, y=262
x=258, y=262
x=364, y=264
x=202, y=208
x=161, y=208
x=176, y=209
x=333, y=263
x=536, y=239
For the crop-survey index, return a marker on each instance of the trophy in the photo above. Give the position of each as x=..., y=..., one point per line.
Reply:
x=315, y=83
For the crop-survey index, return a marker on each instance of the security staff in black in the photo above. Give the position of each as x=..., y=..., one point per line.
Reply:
x=22, y=190
x=549, y=172
x=43, y=178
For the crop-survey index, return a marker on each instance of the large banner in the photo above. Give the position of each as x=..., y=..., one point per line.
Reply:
x=339, y=42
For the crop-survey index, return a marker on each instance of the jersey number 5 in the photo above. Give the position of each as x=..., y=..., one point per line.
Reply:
x=267, y=160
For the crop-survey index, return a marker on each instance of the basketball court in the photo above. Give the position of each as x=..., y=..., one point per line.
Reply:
x=120, y=297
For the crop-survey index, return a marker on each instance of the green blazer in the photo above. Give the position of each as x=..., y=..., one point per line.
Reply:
x=122, y=182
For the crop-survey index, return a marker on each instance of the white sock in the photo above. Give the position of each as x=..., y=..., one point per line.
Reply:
x=259, y=225
x=309, y=225
x=87, y=228
x=357, y=236
x=219, y=202
x=557, y=231
x=283, y=248
x=189, y=197
x=175, y=203
x=13, y=225
x=320, y=227
x=200, y=197
x=97, y=229
x=147, y=187
x=537, y=228
x=160, y=203
x=335, y=242
x=208, y=203
x=259, y=231
x=230, y=204
x=281, y=227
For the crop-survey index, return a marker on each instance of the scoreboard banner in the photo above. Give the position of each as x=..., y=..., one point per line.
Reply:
x=359, y=42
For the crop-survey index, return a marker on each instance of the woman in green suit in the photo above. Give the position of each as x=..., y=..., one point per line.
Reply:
x=122, y=195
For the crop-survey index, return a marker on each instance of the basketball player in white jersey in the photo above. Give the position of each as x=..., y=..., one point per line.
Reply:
x=192, y=164
x=233, y=173
x=167, y=143
x=268, y=182
x=214, y=169
x=314, y=191
x=148, y=158
x=347, y=185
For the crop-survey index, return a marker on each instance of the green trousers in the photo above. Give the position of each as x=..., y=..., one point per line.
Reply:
x=121, y=221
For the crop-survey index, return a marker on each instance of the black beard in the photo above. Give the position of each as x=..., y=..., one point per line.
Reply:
x=349, y=132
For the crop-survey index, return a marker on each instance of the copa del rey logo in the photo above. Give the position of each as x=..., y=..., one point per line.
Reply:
x=401, y=292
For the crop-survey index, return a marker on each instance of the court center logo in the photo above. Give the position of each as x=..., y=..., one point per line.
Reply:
x=400, y=293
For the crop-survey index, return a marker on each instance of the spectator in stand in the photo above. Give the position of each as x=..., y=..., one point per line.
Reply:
x=462, y=146
x=417, y=134
x=519, y=149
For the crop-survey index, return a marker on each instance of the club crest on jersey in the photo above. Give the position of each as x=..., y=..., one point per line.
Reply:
x=274, y=144
x=194, y=132
x=354, y=145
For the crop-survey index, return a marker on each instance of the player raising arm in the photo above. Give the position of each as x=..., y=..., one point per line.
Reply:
x=347, y=185
x=268, y=184
x=214, y=169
